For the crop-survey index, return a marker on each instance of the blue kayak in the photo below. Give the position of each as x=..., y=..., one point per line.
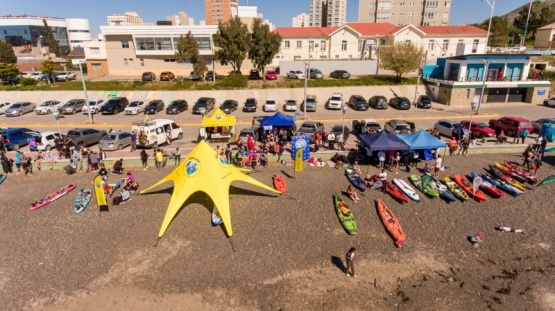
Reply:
x=502, y=185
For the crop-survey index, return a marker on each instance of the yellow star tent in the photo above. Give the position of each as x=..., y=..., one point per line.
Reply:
x=204, y=170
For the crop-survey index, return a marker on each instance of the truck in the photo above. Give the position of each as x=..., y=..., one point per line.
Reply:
x=310, y=128
x=366, y=126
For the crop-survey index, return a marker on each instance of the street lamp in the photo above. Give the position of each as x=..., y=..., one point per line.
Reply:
x=344, y=109
x=85, y=91
x=492, y=5
x=304, y=102
x=523, y=40
x=485, y=77
x=472, y=107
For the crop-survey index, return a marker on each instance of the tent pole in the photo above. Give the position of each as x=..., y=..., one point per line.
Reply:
x=157, y=242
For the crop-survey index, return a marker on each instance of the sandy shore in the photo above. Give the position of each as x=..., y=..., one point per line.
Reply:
x=288, y=249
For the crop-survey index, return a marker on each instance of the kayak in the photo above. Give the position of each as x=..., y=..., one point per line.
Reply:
x=391, y=223
x=509, y=171
x=355, y=179
x=455, y=189
x=426, y=188
x=345, y=215
x=51, y=197
x=82, y=200
x=506, y=178
x=407, y=189
x=279, y=184
x=395, y=192
x=467, y=186
x=488, y=187
x=531, y=179
x=502, y=185
x=444, y=192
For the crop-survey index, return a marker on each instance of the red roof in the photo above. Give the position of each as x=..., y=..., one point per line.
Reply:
x=452, y=30
x=304, y=31
x=373, y=29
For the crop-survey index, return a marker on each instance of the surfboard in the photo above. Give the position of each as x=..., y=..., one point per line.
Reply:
x=82, y=200
x=99, y=194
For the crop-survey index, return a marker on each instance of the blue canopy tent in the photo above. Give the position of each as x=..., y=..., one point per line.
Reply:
x=278, y=119
x=424, y=141
x=382, y=141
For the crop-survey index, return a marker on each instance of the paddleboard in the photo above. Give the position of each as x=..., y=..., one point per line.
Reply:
x=99, y=194
x=51, y=197
x=82, y=200
x=407, y=189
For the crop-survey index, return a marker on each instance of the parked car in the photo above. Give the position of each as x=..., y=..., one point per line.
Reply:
x=204, y=105
x=148, y=76
x=250, y=105
x=154, y=106
x=229, y=105
x=479, y=129
x=10, y=79
x=48, y=107
x=114, y=105
x=449, y=128
x=253, y=132
x=210, y=75
x=94, y=105
x=510, y=124
x=315, y=73
x=66, y=76
x=549, y=102
x=177, y=106
x=378, y=102
x=45, y=141
x=193, y=76
x=366, y=126
x=73, y=106
x=310, y=128
x=357, y=102
x=335, y=101
x=271, y=75
x=4, y=106
x=269, y=105
x=400, y=103
x=167, y=76
x=295, y=74
x=340, y=74
x=311, y=102
x=85, y=136
x=424, y=101
x=36, y=75
x=254, y=75
x=337, y=129
x=290, y=105
x=16, y=136
x=135, y=107
x=540, y=122
x=398, y=127
x=19, y=109
x=115, y=141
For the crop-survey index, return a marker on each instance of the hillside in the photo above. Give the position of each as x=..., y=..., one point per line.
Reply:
x=514, y=13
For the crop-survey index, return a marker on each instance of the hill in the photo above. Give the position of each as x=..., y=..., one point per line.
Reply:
x=514, y=13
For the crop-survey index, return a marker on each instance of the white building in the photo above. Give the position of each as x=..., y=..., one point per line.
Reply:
x=327, y=13
x=180, y=19
x=301, y=20
x=78, y=31
x=125, y=19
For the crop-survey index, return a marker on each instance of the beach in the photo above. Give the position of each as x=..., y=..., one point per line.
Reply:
x=287, y=252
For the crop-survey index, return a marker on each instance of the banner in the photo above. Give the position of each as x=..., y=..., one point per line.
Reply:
x=476, y=183
x=298, y=142
x=299, y=160
x=547, y=181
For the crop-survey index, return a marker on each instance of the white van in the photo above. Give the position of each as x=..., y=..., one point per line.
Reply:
x=153, y=132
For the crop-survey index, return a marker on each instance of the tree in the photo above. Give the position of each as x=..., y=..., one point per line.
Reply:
x=53, y=46
x=48, y=67
x=7, y=55
x=7, y=70
x=234, y=40
x=188, y=51
x=401, y=57
x=264, y=45
x=542, y=13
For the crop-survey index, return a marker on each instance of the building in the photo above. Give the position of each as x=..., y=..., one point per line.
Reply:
x=460, y=80
x=220, y=10
x=301, y=20
x=545, y=37
x=78, y=31
x=327, y=13
x=125, y=19
x=180, y=19
x=420, y=13
x=247, y=14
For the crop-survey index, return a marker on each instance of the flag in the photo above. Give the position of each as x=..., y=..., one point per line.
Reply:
x=547, y=181
x=299, y=160
x=476, y=183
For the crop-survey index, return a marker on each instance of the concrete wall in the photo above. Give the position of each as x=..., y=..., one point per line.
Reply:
x=354, y=67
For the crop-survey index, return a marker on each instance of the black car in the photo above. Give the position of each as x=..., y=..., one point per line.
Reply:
x=177, y=106
x=203, y=105
x=424, y=101
x=337, y=129
x=340, y=74
x=229, y=105
x=154, y=106
x=149, y=76
x=357, y=102
x=9, y=79
x=114, y=105
x=401, y=103
x=210, y=75
x=378, y=102
x=250, y=105
x=254, y=75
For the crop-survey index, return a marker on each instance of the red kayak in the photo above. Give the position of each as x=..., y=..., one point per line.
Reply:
x=395, y=192
x=509, y=171
x=391, y=223
x=489, y=188
x=279, y=184
x=467, y=187
x=531, y=179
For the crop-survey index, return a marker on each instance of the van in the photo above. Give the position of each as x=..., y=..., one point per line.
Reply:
x=152, y=133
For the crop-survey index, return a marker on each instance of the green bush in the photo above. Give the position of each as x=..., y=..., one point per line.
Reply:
x=27, y=81
x=232, y=81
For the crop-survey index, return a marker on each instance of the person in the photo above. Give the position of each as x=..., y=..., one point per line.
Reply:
x=383, y=176
x=438, y=165
x=39, y=159
x=165, y=157
x=528, y=154
x=356, y=168
x=541, y=75
x=396, y=160
x=538, y=143
x=352, y=193
x=368, y=181
x=426, y=169
x=452, y=145
x=350, y=261
x=508, y=229
x=133, y=141
x=177, y=158
x=158, y=159
x=103, y=172
x=502, y=137
x=144, y=159
x=331, y=141
x=465, y=143
x=381, y=159
x=26, y=164
x=340, y=141
x=250, y=142
x=75, y=158
x=118, y=167
x=415, y=157
x=253, y=158
x=336, y=159
x=17, y=162
x=318, y=139
x=518, y=134
x=49, y=158
x=500, y=75
x=476, y=239
x=524, y=134
x=263, y=159
x=534, y=75
x=279, y=148
x=228, y=153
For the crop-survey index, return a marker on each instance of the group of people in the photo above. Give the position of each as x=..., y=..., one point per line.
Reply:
x=161, y=157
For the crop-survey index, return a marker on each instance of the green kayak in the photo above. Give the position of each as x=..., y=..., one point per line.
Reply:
x=345, y=215
x=425, y=185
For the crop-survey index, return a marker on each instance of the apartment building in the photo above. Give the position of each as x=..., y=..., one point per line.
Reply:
x=220, y=10
x=301, y=20
x=403, y=12
x=125, y=19
x=327, y=13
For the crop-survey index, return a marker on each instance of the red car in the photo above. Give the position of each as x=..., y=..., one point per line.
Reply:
x=271, y=75
x=479, y=129
x=510, y=124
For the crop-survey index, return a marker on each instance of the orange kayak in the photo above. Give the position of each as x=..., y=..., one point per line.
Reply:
x=279, y=184
x=390, y=222
x=467, y=187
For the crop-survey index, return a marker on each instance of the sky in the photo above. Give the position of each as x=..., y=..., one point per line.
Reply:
x=278, y=12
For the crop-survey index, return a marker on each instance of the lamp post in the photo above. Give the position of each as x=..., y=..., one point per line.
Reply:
x=472, y=107
x=85, y=91
x=344, y=109
x=523, y=40
x=492, y=5
x=304, y=102
x=485, y=77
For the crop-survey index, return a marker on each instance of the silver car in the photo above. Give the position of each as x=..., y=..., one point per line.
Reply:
x=115, y=141
x=135, y=107
x=48, y=107
x=19, y=109
x=94, y=105
x=3, y=107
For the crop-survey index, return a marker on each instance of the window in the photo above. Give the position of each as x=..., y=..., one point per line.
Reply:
x=382, y=15
x=169, y=60
x=286, y=44
x=430, y=44
x=447, y=3
x=344, y=45
x=408, y=41
x=430, y=15
x=461, y=41
x=445, y=14
x=402, y=3
x=475, y=46
x=124, y=44
x=94, y=50
x=411, y=14
x=299, y=44
x=322, y=45
x=445, y=45
x=360, y=43
x=400, y=14
x=371, y=15
x=311, y=45
x=371, y=5
x=432, y=4
x=384, y=5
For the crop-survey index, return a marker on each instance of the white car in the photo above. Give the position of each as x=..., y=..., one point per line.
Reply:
x=296, y=74
x=35, y=75
x=3, y=106
x=66, y=76
x=269, y=105
x=47, y=140
x=135, y=107
x=25, y=75
x=95, y=105
x=48, y=107
x=549, y=102
x=336, y=101
x=290, y=105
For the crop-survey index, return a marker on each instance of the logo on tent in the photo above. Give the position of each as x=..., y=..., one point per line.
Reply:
x=300, y=143
x=218, y=116
x=192, y=167
x=223, y=161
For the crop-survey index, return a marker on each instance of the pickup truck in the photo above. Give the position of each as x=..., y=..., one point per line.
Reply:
x=366, y=126
x=399, y=127
x=84, y=136
x=310, y=128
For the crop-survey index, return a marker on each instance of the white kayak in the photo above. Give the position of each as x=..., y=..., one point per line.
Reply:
x=407, y=189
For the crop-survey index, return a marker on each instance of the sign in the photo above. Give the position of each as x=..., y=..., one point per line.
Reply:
x=298, y=142
x=299, y=160
x=541, y=92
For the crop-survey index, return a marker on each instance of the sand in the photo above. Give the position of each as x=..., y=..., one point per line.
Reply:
x=288, y=249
